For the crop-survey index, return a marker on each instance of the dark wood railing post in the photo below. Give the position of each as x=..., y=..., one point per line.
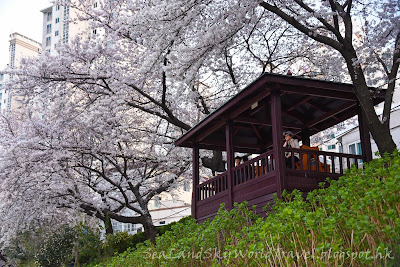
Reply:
x=196, y=179
x=276, y=119
x=229, y=161
x=364, y=135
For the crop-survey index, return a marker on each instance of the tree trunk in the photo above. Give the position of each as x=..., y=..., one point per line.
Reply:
x=379, y=131
x=149, y=229
x=216, y=163
x=108, y=225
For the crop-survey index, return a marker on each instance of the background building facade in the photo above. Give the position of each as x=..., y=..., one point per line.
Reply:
x=59, y=25
x=20, y=47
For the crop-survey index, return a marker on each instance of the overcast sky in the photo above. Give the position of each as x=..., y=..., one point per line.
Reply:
x=22, y=16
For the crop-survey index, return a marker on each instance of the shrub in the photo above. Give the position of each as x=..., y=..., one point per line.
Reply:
x=89, y=245
x=121, y=241
x=22, y=249
x=58, y=248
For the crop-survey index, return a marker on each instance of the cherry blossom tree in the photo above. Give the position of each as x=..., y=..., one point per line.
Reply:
x=367, y=36
x=100, y=114
x=94, y=163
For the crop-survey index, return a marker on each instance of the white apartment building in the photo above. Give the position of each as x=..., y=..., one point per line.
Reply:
x=20, y=47
x=58, y=26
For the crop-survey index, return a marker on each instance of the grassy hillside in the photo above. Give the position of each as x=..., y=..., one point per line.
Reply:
x=354, y=222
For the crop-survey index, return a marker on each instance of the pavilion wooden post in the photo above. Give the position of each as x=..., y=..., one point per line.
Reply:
x=229, y=161
x=364, y=135
x=196, y=179
x=276, y=121
x=305, y=137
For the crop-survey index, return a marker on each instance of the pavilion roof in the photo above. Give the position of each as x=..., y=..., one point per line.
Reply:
x=306, y=104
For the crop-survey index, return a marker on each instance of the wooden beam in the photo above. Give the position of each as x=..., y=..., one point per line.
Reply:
x=322, y=109
x=218, y=143
x=317, y=107
x=250, y=120
x=258, y=134
x=329, y=114
x=248, y=103
x=321, y=91
x=301, y=101
x=210, y=130
x=301, y=119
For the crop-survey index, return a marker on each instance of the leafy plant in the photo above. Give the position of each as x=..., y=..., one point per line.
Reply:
x=58, y=248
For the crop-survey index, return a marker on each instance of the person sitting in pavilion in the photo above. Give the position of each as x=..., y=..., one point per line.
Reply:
x=290, y=142
x=238, y=161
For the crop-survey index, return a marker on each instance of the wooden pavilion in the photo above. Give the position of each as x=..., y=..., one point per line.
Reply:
x=253, y=122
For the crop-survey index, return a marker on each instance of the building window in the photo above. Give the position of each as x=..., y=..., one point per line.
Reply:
x=94, y=4
x=65, y=25
x=94, y=31
x=330, y=147
x=56, y=33
x=49, y=16
x=48, y=28
x=65, y=32
x=48, y=41
x=57, y=7
x=12, y=59
x=117, y=226
x=355, y=149
x=157, y=201
x=66, y=12
x=57, y=20
x=162, y=222
x=140, y=229
x=55, y=46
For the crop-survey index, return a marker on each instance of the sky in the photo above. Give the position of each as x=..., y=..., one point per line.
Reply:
x=22, y=16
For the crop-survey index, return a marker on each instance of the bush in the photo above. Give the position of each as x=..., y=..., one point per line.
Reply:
x=355, y=221
x=121, y=241
x=89, y=245
x=22, y=249
x=58, y=248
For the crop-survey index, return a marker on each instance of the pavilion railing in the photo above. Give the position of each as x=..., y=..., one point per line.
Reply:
x=249, y=170
x=253, y=168
x=322, y=161
x=213, y=186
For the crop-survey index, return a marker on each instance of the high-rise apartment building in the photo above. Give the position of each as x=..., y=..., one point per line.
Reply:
x=20, y=47
x=57, y=26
